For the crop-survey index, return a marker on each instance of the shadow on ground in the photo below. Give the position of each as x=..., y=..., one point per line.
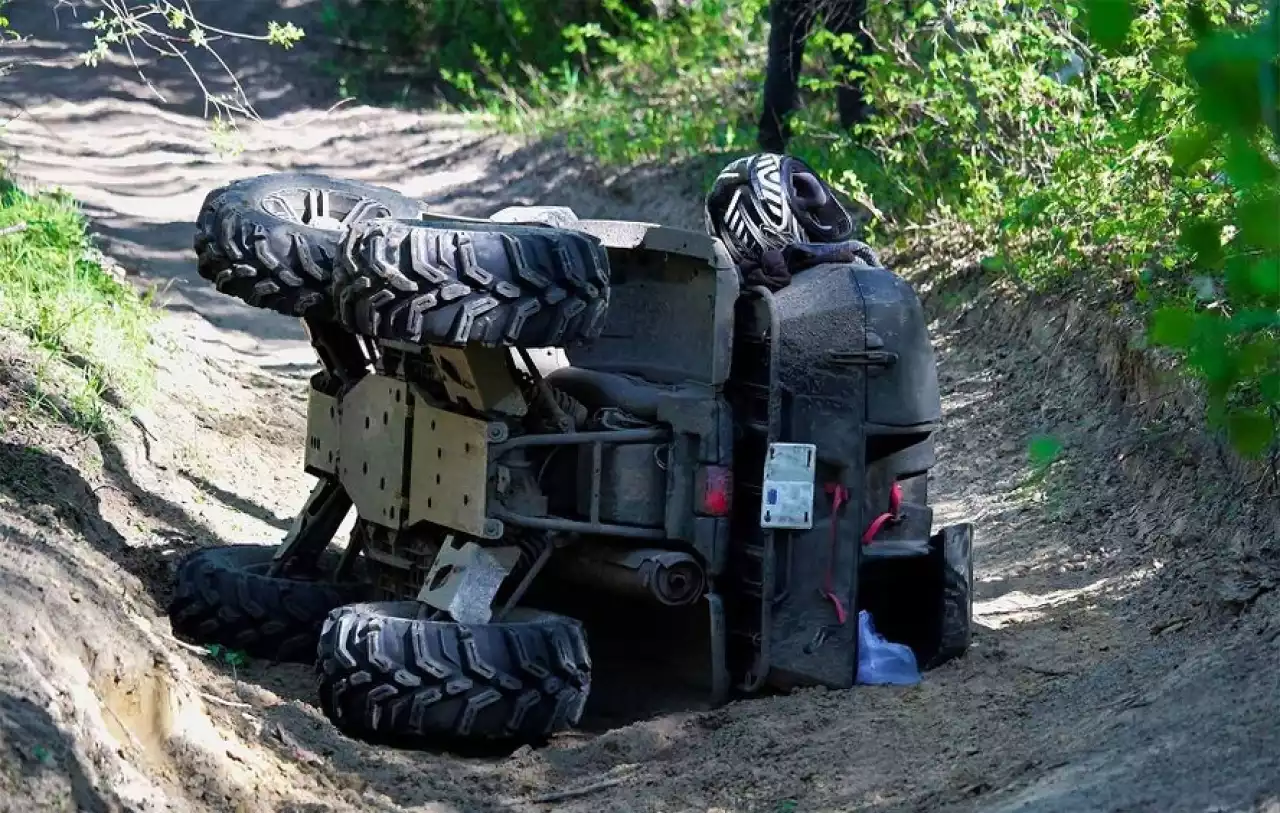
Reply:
x=45, y=753
x=236, y=502
x=36, y=477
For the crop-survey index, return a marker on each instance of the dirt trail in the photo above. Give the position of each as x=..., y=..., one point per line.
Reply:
x=1130, y=636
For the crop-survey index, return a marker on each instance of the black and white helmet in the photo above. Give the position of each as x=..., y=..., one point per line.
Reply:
x=768, y=201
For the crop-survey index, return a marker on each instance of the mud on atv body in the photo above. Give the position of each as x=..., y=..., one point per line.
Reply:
x=757, y=461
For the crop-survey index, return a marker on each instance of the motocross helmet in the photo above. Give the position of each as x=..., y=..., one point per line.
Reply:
x=768, y=201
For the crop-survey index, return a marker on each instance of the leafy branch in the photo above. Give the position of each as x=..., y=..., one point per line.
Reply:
x=162, y=29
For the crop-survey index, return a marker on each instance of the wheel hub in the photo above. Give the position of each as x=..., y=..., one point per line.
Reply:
x=322, y=208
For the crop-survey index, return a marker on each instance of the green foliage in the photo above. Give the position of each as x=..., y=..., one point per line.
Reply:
x=1120, y=149
x=1043, y=450
x=681, y=87
x=1108, y=21
x=139, y=30
x=225, y=655
x=1000, y=118
x=1228, y=332
x=54, y=289
x=452, y=39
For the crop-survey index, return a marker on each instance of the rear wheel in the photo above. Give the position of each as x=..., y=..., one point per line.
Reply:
x=389, y=675
x=271, y=240
x=224, y=596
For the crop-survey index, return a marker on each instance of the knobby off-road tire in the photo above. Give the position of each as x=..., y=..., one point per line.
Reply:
x=456, y=283
x=388, y=676
x=224, y=596
x=270, y=240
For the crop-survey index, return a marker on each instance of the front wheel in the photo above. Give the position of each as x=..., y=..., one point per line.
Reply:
x=388, y=674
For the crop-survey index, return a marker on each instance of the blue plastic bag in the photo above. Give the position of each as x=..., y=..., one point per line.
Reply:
x=881, y=662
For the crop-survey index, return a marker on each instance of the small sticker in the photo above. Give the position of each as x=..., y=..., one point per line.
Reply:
x=788, y=486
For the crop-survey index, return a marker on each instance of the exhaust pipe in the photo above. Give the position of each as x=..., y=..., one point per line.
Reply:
x=669, y=577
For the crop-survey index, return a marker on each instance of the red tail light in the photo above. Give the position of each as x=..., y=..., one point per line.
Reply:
x=715, y=489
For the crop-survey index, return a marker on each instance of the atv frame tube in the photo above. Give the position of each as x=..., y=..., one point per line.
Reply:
x=598, y=440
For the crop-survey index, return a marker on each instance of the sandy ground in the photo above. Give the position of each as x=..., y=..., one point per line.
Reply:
x=1129, y=646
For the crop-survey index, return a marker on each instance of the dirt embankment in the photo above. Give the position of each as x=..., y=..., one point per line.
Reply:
x=1130, y=628
x=1126, y=658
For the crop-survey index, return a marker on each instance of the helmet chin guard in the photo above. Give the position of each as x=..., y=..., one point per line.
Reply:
x=768, y=201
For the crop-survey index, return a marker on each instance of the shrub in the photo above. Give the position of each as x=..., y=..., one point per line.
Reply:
x=1117, y=149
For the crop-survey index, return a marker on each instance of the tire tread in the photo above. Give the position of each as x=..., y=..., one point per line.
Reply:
x=456, y=284
x=216, y=600
x=269, y=262
x=389, y=678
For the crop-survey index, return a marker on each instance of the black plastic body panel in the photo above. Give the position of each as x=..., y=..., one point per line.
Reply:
x=905, y=393
x=852, y=371
x=820, y=312
x=670, y=318
x=907, y=466
x=859, y=381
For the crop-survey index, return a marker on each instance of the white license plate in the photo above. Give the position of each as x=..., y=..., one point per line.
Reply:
x=787, y=498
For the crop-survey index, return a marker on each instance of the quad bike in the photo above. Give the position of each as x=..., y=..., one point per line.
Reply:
x=542, y=411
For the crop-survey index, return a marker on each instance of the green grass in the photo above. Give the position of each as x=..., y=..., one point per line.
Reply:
x=676, y=89
x=90, y=329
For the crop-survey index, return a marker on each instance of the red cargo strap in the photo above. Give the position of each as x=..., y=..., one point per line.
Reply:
x=895, y=505
x=839, y=496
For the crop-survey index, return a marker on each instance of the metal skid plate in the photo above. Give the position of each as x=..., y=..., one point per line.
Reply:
x=448, y=477
x=322, y=434
x=464, y=579
x=787, y=499
x=559, y=216
x=478, y=377
x=628, y=234
x=373, y=420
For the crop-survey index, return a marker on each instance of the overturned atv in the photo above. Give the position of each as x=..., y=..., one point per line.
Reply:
x=754, y=459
